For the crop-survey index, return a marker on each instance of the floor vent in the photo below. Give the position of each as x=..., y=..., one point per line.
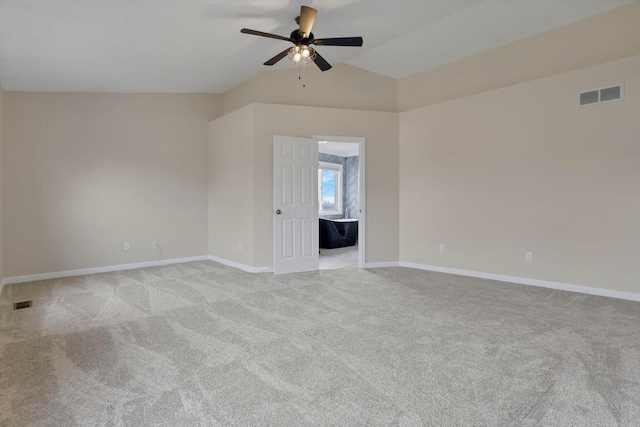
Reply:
x=599, y=96
x=22, y=304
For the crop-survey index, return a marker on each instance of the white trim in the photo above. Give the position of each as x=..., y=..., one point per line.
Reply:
x=331, y=138
x=382, y=264
x=362, y=244
x=503, y=278
x=525, y=281
x=95, y=270
x=121, y=267
x=242, y=267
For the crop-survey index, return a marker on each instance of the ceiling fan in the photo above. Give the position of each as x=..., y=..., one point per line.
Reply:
x=302, y=38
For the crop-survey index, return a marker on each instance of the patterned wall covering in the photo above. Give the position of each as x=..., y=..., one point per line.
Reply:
x=351, y=186
x=349, y=183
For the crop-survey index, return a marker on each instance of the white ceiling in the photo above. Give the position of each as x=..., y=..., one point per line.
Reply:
x=342, y=149
x=195, y=46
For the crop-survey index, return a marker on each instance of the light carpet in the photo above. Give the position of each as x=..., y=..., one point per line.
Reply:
x=201, y=344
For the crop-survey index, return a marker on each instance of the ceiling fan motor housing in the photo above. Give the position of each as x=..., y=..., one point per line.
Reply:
x=297, y=39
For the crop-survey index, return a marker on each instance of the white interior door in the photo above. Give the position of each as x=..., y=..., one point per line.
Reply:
x=295, y=204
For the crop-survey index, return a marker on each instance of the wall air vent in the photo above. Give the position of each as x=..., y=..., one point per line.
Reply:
x=599, y=96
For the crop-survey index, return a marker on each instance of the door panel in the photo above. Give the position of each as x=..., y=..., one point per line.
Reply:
x=295, y=187
x=288, y=238
x=307, y=174
x=288, y=187
x=306, y=247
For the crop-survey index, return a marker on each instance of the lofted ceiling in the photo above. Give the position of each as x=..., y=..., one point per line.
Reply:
x=195, y=46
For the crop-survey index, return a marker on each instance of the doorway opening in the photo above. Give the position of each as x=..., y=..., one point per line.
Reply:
x=341, y=183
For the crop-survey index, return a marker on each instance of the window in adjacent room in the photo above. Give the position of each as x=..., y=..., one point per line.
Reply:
x=330, y=188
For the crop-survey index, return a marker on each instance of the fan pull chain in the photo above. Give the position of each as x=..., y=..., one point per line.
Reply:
x=304, y=84
x=301, y=76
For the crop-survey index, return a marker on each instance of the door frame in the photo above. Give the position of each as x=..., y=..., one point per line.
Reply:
x=361, y=189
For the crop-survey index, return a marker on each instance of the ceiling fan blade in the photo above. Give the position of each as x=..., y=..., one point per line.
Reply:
x=278, y=57
x=307, y=16
x=261, y=34
x=339, y=41
x=321, y=62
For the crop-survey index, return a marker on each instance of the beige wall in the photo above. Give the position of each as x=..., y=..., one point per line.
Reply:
x=343, y=86
x=514, y=167
x=231, y=186
x=1, y=192
x=85, y=173
x=380, y=130
x=241, y=176
x=602, y=38
x=522, y=168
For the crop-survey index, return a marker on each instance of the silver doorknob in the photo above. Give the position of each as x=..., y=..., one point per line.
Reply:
x=278, y=211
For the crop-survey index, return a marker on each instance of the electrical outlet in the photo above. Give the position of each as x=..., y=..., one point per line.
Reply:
x=155, y=244
x=528, y=256
x=127, y=246
x=441, y=249
x=240, y=246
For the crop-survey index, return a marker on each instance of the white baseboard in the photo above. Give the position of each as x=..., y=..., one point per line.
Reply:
x=242, y=267
x=381, y=264
x=95, y=270
x=530, y=282
x=503, y=278
x=110, y=268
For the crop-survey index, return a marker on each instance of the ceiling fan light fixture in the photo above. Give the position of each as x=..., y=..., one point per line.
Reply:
x=301, y=54
x=302, y=37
